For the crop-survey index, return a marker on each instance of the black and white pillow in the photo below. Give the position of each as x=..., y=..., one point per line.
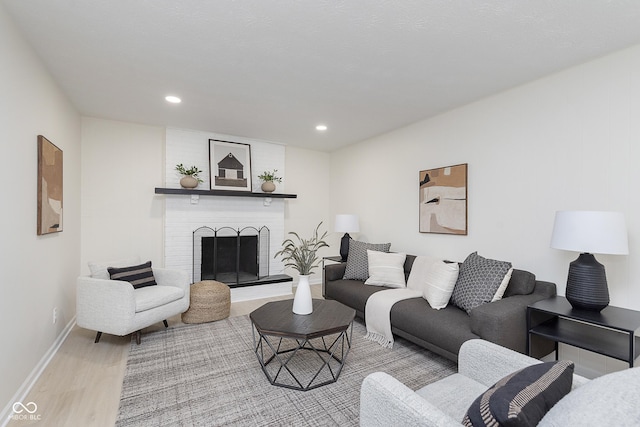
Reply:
x=522, y=398
x=139, y=276
x=358, y=261
x=478, y=281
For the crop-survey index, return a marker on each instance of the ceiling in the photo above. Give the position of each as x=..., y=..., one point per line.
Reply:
x=274, y=69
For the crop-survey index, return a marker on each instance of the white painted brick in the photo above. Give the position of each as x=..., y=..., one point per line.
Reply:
x=182, y=217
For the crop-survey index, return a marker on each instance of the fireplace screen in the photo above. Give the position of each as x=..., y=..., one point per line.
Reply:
x=232, y=256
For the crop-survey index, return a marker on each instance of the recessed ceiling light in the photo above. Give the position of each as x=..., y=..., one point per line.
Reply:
x=173, y=99
x=321, y=127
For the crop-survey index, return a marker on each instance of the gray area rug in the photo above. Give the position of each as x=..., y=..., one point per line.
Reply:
x=208, y=375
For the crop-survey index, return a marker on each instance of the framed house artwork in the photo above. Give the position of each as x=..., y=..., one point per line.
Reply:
x=443, y=200
x=229, y=165
x=49, y=187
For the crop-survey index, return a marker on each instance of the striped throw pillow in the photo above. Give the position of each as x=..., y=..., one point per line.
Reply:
x=138, y=275
x=522, y=398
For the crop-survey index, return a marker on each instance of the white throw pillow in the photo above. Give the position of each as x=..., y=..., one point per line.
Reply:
x=386, y=269
x=419, y=268
x=503, y=286
x=435, y=278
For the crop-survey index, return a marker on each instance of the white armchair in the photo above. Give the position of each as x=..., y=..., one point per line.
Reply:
x=385, y=401
x=115, y=307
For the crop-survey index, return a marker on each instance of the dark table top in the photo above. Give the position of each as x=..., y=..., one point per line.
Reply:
x=611, y=317
x=277, y=318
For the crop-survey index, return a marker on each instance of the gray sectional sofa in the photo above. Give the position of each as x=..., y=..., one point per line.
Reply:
x=443, y=331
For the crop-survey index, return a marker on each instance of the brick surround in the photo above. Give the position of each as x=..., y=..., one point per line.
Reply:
x=183, y=215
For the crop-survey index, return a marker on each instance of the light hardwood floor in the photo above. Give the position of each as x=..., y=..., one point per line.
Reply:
x=82, y=383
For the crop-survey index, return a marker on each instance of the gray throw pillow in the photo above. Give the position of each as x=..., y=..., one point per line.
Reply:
x=478, y=281
x=358, y=261
x=521, y=283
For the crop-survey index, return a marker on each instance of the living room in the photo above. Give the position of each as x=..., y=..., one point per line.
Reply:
x=567, y=140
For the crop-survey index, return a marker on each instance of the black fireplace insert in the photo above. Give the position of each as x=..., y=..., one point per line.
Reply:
x=237, y=257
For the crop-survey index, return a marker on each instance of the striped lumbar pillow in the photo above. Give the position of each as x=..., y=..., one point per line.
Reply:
x=138, y=275
x=522, y=398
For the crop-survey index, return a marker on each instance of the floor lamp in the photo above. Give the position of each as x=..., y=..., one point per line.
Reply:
x=589, y=232
x=346, y=224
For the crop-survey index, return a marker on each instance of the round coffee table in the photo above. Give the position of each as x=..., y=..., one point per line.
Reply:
x=307, y=351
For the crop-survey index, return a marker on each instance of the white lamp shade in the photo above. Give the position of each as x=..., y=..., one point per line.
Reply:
x=347, y=223
x=590, y=231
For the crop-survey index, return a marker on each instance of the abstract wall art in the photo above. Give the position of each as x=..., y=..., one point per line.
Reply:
x=49, y=187
x=443, y=200
x=229, y=165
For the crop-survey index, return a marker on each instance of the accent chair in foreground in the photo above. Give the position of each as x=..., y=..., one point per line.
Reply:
x=486, y=370
x=121, y=307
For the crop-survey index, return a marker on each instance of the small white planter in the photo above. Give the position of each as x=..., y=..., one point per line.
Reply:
x=302, y=302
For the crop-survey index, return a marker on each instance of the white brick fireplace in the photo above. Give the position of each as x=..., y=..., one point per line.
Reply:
x=184, y=213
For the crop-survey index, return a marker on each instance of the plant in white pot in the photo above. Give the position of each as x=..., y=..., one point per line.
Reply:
x=302, y=255
x=269, y=178
x=190, y=177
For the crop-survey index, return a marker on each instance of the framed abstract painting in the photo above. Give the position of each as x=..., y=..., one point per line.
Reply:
x=49, y=187
x=443, y=200
x=229, y=165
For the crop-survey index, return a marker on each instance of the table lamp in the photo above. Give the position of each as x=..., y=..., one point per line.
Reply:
x=589, y=232
x=348, y=224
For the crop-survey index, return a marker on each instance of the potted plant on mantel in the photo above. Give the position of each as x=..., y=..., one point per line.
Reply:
x=269, y=178
x=302, y=256
x=190, y=177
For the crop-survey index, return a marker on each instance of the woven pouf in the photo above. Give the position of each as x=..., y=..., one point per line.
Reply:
x=210, y=301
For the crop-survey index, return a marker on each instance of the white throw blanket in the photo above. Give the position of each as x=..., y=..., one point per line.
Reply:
x=377, y=313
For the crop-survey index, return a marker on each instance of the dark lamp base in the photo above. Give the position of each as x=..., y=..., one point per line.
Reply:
x=344, y=246
x=587, y=284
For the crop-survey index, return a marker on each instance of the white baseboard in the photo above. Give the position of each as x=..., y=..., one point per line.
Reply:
x=29, y=382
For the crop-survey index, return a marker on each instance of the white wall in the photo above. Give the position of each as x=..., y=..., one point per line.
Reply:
x=308, y=176
x=37, y=273
x=122, y=163
x=569, y=141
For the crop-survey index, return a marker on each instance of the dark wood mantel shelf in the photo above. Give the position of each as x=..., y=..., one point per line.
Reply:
x=160, y=190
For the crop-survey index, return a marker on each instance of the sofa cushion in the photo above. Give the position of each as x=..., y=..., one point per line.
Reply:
x=478, y=281
x=453, y=394
x=446, y=329
x=154, y=296
x=408, y=265
x=523, y=397
x=435, y=278
x=99, y=269
x=357, y=260
x=139, y=276
x=521, y=283
x=609, y=400
x=386, y=269
x=352, y=293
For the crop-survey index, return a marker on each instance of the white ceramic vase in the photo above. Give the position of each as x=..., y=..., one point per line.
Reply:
x=302, y=302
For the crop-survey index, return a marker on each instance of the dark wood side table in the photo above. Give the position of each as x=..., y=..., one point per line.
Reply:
x=610, y=332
